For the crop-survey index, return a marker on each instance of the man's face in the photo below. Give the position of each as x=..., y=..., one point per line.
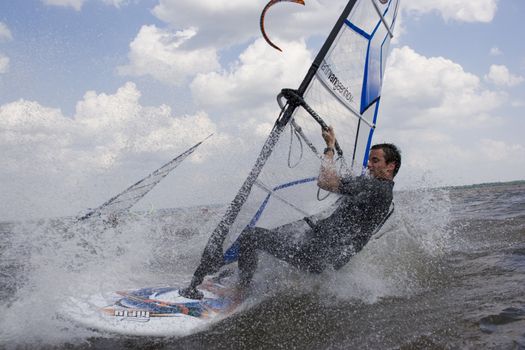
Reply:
x=378, y=166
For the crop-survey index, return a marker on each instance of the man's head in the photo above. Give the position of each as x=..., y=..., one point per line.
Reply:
x=384, y=161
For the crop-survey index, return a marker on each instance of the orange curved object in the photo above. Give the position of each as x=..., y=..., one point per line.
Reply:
x=263, y=14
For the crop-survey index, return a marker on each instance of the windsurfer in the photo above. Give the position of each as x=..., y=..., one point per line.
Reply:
x=332, y=241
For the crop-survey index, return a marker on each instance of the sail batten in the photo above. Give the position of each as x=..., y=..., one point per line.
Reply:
x=273, y=192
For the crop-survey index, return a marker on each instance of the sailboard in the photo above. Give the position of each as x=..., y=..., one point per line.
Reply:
x=153, y=311
x=123, y=201
x=343, y=89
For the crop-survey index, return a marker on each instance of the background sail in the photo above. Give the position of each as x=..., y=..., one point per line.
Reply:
x=129, y=197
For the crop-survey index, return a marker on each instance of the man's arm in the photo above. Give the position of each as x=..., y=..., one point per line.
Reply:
x=328, y=179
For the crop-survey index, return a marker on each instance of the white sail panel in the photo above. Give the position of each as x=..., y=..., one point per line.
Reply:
x=342, y=70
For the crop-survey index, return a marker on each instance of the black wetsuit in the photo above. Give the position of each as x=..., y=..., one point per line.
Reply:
x=331, y=241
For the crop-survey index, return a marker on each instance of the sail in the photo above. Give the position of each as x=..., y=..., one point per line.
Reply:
x=129, y=197
x=342, y=89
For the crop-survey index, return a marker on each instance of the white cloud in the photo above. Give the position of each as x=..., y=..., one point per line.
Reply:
x=501, y=151
x=220, y=23
x=116, y=3
x=33, y=140
x=44, y=152
x=500, y=75
x=29, y=120
x=518, y=103
x=164, y=55
x=77, y=4
x=453, y=158
x=436, y=91
x=4, y=64
x=495, y=51
x=5, y=33
x=118, y=123
x=226, y=23
x=243, y=98
x=255, y=79
x=105, y=127
x=458, y=10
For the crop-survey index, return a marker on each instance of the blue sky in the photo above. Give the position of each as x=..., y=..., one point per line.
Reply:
x=100, y=92
x=76, y=50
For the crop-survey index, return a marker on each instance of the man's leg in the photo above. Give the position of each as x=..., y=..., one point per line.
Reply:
x=303, y=255
x=250, y=241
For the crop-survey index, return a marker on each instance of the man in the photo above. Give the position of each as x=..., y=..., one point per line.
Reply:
x=332, y=241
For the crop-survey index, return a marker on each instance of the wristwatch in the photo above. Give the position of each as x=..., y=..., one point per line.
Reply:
x=328, y=149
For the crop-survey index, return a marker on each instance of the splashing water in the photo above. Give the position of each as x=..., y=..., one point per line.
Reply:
x=52, y=260
x=403, y=258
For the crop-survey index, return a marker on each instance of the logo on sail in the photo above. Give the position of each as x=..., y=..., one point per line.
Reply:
x=383, y=1
x=336, y=84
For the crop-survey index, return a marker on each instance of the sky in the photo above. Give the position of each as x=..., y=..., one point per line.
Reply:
x=95, y=94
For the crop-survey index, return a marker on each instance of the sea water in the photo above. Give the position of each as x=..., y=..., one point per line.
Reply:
x=446, y=272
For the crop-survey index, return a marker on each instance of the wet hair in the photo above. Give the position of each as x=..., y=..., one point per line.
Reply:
x=392, y=154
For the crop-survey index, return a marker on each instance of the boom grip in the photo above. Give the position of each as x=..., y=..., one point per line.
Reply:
x=293, y=97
